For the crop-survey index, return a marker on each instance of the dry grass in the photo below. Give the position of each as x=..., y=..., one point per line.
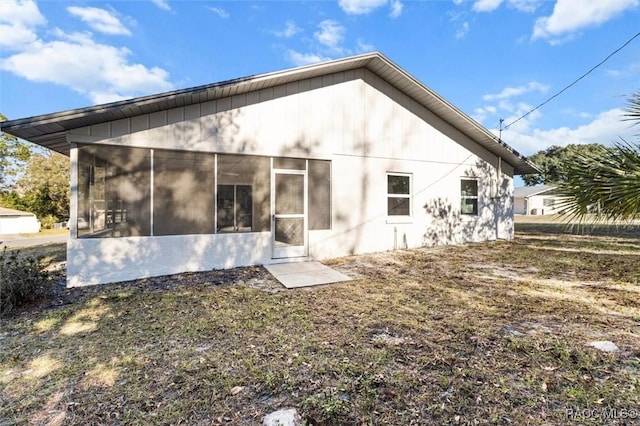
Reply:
x=487, y=333
x=47, y=233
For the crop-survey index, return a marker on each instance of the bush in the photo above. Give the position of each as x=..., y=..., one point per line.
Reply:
x=21, y=278
x=49, y=221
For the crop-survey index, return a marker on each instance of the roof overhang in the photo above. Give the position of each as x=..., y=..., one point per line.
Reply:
x=49, y=130
x=532, y=191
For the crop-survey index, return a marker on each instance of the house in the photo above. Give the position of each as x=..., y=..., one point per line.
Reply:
x=18, y=222
x=536, y=200
x=344, y=157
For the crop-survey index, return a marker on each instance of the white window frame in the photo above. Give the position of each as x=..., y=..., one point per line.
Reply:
x=470, y=197
x=409, y=196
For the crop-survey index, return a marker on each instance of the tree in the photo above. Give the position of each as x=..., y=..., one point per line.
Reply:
x=42, y=189
x=13, y=156
x=33, y=179
x=44, y=186
x=552, y=162
x=606, y=183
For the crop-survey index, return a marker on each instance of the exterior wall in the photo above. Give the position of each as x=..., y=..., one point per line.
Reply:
x=535, y=205
x=361, y=224
x=19, y=225
x=104, y=260
x=357, y=120
x=520, y=205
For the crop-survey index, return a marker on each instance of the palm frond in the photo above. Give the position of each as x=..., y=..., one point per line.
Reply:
x=606, y=185
x=633, y=108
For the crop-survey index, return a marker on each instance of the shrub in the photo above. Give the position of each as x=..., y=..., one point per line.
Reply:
x=49, y=221
x=21, y=278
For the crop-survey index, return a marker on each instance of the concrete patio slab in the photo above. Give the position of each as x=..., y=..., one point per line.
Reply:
x=305, y=274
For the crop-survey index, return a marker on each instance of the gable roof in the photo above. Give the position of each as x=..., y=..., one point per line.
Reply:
x=528, y=191
x=49, y=130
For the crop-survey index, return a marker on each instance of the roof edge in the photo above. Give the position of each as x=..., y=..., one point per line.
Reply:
x=101, y=108
x=476, y=132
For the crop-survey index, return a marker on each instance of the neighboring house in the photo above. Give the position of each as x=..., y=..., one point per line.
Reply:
x=18, y=222
x=338, y=158
x=536, y=200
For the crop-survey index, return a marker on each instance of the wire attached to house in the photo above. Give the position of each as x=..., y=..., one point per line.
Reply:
x=573, y=83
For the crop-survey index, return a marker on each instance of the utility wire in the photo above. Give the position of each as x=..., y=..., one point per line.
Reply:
x=572, y=84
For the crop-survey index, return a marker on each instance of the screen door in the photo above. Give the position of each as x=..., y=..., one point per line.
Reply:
x=289, y=213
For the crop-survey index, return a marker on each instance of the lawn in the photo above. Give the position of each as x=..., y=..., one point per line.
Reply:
x=492, y=333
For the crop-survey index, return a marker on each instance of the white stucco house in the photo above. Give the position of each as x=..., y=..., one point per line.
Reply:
x=537, y=200
x=18, y=222
x=343, y=157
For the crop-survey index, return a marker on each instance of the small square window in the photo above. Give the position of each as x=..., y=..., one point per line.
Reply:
x=398, y=195
x=469, y=196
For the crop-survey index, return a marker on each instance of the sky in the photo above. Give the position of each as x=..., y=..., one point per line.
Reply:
x=493, y=59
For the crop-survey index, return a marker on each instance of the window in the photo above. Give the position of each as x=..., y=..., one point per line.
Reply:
x=114, y=191
x=235, y=211
x=319, y=175
x=244, y=194
x=469, y=196
x=126, y=191
x=398, y=194
x=548, y=202
x=183, y=191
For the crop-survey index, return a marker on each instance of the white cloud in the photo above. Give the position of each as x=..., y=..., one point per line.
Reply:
x=463, y=30
x=162, y=4
x=509, y=92
x=517, y=121
x=486, y=5
x=630, y=70
x=363, y=47
x=360, y=7
x=18, y=21
x=16, y=36
x=573, y=15
x=363, y=7
x=528, y=6
x=327, y=43
x=300, y=59
x=606, y=128
x=290, y=29
x=220, y=12
x=396, y=8
x=99, y=71
x=100, y=20
x=24, y=12
x=480, y=114
x=331, y=34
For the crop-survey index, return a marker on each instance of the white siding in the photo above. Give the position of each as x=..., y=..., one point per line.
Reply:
x=357, y=120
x=536, y=204
x=19, y=225
x=104, y=260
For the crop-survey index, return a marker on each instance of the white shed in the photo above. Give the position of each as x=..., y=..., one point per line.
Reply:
x=18, y=222
x=343, y=157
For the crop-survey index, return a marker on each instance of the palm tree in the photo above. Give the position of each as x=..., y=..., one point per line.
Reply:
x=605, y=183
